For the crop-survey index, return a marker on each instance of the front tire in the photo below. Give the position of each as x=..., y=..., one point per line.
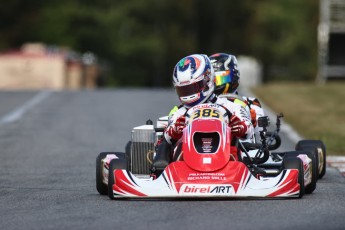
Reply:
x=114, y=164
x=314, y=166
x=100, y=186
x=296, y=163
x=314, y=171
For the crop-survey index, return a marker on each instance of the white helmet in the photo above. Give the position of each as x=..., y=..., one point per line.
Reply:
x=193, y=79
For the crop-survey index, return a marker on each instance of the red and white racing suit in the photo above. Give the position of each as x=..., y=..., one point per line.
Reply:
x=239, y=122
x=256, y=110
x=252, y=106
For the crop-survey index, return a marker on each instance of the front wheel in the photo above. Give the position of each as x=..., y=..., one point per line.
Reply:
x=313, y=172
x=296, y=163
x=100, y=185
x=113, y=165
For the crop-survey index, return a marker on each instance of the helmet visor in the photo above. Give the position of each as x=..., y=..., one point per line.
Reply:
x=222, y=77
x=188, y=90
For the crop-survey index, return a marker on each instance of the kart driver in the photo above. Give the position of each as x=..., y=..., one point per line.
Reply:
x=193, y=79
x=227, y=79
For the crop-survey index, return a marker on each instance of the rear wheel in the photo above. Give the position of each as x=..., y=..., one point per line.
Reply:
x=320, y=150
x=296, y=163
x=114, y=164
x=100, y=186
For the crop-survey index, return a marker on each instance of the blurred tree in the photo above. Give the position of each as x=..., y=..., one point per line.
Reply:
x=143, y=40
x=17, y=18
x=284, y=38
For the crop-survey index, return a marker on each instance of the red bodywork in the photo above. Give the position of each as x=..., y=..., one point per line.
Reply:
x=208, y=167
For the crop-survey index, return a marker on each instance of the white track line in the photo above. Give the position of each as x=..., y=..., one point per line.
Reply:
x=20, y=111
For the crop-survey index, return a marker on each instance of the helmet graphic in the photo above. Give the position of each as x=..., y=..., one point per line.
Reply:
x=227, y=75
x=193, y=79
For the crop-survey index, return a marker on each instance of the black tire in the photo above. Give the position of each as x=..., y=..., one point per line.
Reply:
x=314, y=171
x=303, y=144
x=309, y=151
x=296, y=163
x=114, y=164
x=312, y=151
x=314, y=166
x=100, y=186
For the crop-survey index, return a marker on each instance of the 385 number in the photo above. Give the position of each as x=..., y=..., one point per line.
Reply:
x=211, y=113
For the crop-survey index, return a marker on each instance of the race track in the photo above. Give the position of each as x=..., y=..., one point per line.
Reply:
x=48, y=149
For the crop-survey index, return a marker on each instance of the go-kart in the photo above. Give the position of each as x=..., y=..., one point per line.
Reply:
x=312, y=152
x=208, y=163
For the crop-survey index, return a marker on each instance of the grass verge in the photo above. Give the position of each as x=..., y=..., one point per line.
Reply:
x=316, y=112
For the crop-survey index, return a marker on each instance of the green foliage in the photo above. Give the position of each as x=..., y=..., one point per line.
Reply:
x=286, y=38
x=143, y=40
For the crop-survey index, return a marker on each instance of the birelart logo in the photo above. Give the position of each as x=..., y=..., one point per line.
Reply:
x=206, y=189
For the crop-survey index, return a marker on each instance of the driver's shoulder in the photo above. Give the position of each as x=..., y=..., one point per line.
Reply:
x=252, y=101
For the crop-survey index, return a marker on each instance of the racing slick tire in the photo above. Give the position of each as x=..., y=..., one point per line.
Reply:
x=100, y=186
x=314, y=171
x=319, y=145
x=115, y=164
x=314, y=167
x=296, y=163
x=312, y=153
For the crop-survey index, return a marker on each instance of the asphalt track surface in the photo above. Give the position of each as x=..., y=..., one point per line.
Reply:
x=47, y=171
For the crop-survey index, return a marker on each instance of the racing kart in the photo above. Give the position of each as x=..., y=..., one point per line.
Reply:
x=207, y=162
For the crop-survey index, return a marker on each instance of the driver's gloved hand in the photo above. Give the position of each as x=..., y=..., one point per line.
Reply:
x=238, y=127
x=175, y=130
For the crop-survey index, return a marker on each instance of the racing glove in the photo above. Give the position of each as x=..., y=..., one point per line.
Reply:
x=238, y=127
x=175, y=130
